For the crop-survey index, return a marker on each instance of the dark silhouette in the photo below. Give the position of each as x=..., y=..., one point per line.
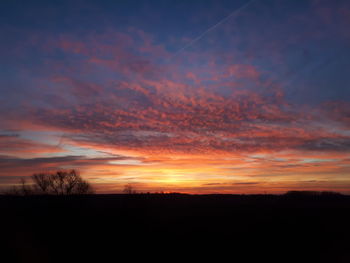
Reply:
x=129, y=189
x=59, y=183
x=257, y=228
x=311, y=193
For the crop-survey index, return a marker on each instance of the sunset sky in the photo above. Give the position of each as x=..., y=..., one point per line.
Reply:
x=178, y=96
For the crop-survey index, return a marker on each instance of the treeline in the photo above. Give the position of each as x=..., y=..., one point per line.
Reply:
x=58, y=183
x=312, y=193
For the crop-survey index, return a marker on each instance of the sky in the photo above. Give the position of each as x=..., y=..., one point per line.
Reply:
x=177, y=96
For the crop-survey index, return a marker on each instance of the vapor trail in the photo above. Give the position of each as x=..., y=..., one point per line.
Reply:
x=212, y=28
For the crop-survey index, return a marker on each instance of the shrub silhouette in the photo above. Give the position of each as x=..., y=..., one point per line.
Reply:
x=59, y=183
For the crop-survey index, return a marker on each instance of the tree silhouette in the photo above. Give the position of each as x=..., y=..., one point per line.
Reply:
x=59, y=183
x=129, y=189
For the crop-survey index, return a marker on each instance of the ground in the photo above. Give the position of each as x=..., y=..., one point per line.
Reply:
x=176, y=226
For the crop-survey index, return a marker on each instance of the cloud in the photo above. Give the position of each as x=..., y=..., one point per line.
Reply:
x=327, y=144
x=14, y=144
x=116, y=89
x=11, y=166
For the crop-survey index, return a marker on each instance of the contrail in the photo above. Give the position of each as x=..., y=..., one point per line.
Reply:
x=212, y=28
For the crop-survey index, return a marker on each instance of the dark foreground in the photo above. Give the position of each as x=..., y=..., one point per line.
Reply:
x=220, y=228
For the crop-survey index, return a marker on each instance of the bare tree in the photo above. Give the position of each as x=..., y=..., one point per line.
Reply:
x=129, y=189
x=25, y=189
x=59, y=183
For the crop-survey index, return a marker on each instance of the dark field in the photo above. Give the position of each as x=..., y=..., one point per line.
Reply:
x=166, y=227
